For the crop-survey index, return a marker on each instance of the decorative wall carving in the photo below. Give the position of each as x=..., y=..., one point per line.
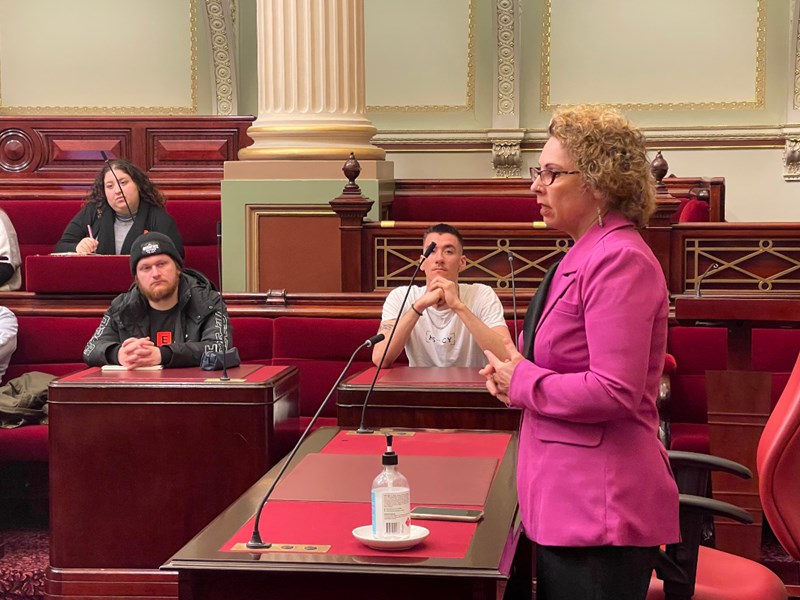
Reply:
x=791, y=159
x=505, y=57
x=506, y=158
x=222, y=43
x=16, y=150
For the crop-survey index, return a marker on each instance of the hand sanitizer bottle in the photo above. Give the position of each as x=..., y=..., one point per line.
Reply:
x=391, y=500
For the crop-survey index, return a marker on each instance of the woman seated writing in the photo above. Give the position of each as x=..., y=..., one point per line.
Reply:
x=136, y=204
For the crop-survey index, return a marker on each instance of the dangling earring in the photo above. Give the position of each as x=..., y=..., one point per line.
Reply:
x=599, y=217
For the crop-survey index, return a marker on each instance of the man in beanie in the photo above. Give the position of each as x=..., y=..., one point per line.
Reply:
x=170, y=316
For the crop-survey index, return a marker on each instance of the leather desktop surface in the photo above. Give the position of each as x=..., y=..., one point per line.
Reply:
x=412, y=376
x=191, y=374
x=322, y=499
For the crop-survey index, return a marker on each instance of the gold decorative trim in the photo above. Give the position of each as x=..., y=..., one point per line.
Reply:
x=758, y=103
x=124, y=110
x=505, y=57
x=747, y=265
x=470, y=93
x=796, y=101
x=327, y=153
x=221, y=56
x=394, y=257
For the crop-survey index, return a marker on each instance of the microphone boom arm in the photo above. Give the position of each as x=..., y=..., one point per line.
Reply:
x=255, y=539
x=362, y=428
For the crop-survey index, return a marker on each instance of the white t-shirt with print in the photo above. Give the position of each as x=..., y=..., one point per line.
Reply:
x=440, y=338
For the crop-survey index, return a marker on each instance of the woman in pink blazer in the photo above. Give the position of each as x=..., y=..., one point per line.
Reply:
x=594, y=484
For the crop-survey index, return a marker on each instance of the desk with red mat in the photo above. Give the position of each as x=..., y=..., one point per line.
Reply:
x=440, y=397
x=140, y=461
x=325, y=495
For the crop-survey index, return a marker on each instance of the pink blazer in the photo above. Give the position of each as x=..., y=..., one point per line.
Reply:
x=591, y=470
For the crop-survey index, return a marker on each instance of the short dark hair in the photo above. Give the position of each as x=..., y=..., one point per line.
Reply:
x=444, y=228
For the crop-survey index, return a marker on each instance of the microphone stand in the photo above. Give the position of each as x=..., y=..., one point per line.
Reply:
x=362, y=428
x=712, y=267
x=255, y=540
x=111, y=170
x=513, y=296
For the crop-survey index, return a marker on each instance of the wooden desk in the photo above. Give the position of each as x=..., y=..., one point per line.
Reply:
x=435, y=397
x=739, y=403
x=208, y=573
x=142, y=461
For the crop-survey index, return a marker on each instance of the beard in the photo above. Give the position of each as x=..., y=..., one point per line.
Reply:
x=161, y=292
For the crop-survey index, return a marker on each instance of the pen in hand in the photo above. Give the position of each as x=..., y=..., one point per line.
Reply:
x=89, y=229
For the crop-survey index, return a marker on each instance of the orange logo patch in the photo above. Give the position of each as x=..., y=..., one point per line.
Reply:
x=163, y=338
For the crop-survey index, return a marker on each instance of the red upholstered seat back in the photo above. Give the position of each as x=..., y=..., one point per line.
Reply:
x=39, y=223
x=51, y=344
x=694, y=211
x=252, y=336
x=696, y=350
x=775, y=350
x=778, y=464
x=197, y=221
x=320, y=348
x=434, y=209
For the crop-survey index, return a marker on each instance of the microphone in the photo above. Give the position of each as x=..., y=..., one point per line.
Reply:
x=513, y=296
x=255, y=539
x=362, y=428
x=108, y=162
x=712, y=267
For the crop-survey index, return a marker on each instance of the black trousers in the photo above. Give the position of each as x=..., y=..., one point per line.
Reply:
x=594, y=573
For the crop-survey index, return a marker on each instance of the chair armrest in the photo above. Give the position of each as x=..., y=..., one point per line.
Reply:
x=715, y=507
x=694, y=460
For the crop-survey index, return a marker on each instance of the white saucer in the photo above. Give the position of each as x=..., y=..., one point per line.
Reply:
x=364, y=535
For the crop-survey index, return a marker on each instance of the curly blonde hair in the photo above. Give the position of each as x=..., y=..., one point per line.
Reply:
x=611, y=156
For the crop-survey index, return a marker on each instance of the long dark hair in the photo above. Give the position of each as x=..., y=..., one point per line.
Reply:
x=148, y=191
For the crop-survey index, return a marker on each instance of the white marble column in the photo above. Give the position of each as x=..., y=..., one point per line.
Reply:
x=311, y=97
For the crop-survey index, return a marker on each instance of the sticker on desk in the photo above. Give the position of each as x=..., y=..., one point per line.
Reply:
x=218, y=380
x=296, y=548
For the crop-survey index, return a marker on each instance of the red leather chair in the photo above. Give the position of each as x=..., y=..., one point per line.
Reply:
x=723, y=576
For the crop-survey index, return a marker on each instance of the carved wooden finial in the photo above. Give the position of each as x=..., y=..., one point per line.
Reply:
x=351, y=170
x=659, y=168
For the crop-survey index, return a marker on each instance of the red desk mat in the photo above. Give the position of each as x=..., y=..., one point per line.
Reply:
x=427, y=376
x=422, y=443
x=189, y=375
x=448, y=480
x=332, y=523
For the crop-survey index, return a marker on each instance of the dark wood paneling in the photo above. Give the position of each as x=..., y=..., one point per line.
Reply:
x=58, y=157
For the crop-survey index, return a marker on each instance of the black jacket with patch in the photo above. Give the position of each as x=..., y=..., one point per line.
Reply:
x=201, y=327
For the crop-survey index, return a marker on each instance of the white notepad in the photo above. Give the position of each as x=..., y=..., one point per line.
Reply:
x=121, y=368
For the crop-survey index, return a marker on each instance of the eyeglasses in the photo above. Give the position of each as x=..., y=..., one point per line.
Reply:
x=547, y=176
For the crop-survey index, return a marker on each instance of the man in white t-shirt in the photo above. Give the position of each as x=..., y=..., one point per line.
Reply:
x=444, y=323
